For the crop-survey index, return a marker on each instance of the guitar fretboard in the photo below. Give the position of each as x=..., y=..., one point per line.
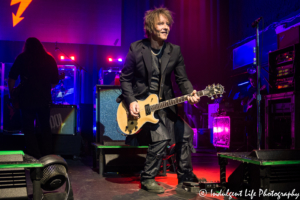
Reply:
x=175, y=101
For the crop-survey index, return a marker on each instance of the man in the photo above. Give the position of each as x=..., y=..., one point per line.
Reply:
x=147, y=69
x=250, y=108
x=38, y=71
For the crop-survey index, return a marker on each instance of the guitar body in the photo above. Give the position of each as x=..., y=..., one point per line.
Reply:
x=128, y=124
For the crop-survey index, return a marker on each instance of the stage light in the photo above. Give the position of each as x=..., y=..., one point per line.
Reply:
x=120, y=60
x=55, y=174
x=110, y=59
x=72, y=58
x=62, y=57
x=221, y=131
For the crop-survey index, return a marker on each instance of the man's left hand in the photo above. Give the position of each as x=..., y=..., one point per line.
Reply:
x=194, y=98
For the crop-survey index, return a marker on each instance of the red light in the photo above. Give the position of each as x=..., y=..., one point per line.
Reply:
x=110, y=59
x=72, y=58
x=62, y=57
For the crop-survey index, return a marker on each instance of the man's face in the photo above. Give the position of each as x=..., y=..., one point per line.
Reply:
x=253, y=82
x=161, y=28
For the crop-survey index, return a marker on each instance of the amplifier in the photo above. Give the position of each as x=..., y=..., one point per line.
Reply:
x=285, y=70
x=105, y=113
x=283, y=67
x=284, y=82
x=63, y=119
x=285, y=57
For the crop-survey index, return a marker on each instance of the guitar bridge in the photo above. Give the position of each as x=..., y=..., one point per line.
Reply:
x=147, y=109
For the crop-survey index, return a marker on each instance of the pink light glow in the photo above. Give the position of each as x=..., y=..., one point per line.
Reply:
x=220, y=129
x=62, y=57
x=110, y=59
x=72, y=57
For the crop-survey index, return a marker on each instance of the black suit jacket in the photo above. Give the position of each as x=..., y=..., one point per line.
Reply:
x=136, y=75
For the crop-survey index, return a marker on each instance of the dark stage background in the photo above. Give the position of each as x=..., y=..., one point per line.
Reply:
x=93, y=30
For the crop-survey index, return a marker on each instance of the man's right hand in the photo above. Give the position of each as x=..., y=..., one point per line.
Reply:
x=134, y=109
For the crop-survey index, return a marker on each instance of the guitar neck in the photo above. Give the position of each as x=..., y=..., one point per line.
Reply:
x=175, y=101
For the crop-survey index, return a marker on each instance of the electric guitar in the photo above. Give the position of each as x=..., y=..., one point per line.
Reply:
x=130, y=125
x=248, y=104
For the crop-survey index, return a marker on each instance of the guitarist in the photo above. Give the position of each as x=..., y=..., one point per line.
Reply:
x=38, y=71
x=147, y=69
x=250, y=108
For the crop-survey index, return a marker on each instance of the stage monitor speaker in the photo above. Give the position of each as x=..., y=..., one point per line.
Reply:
x=105, y=125
x=270, y=176
x=63, y=119
x=12, y=180
x=276, y=154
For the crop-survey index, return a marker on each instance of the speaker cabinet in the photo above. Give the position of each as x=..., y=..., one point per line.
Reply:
x=105, y=113
x=63, y=119
x=281, y=119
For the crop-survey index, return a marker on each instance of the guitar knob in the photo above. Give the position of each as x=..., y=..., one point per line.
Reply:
x=136, y=127
x=221, y=95
x=212, y=98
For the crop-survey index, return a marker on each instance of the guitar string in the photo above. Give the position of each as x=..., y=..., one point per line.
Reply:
x=174, y=100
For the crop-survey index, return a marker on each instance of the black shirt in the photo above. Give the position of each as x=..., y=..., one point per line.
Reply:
x=37, y=75
x=156, y=65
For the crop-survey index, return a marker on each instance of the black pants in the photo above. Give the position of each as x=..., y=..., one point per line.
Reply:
x=184, y=140
x=42, y=116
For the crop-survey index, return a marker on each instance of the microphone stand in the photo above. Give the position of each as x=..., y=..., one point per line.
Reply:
x=258, y=97
x=80, y=68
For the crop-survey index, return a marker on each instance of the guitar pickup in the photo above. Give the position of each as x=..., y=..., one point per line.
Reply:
x=147, y=109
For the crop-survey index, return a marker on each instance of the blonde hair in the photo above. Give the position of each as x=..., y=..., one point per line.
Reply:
x=152, y=15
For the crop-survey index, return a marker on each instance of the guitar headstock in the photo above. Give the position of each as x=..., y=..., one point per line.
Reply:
x=214, y=90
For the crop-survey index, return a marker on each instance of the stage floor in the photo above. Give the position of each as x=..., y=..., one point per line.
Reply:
x=88, y=185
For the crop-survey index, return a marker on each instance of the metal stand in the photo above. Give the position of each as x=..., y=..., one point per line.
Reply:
x=258, y=98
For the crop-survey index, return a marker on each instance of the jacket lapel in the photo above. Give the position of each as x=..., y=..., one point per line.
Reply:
x=147, y=59
x=165, y=58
